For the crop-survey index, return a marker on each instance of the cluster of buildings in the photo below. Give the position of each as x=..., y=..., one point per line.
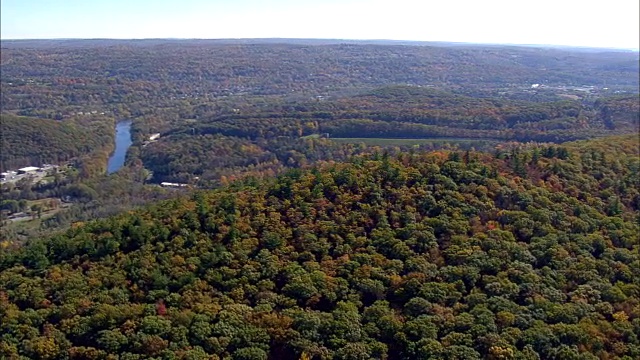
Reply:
x=8, y=175
x=25, y=171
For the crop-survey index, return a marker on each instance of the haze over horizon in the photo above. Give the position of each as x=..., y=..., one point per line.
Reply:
x=598, y=24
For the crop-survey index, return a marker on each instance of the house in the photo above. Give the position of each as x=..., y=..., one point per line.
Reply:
x=154, y=137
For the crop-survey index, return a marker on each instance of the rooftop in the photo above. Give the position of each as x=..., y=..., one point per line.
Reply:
x=29, y=168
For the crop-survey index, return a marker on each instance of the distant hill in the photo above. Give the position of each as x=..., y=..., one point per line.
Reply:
x=294, y=41
x=114, y=70
x=267, y=136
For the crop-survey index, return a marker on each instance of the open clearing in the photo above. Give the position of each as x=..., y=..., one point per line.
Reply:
x=410, y=142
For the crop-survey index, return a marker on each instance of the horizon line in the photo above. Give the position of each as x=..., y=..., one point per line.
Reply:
x=636, y=49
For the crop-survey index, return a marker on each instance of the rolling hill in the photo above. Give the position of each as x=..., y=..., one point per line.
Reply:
x=528, y=253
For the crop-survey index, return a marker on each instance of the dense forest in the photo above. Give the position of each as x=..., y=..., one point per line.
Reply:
x=529, y=252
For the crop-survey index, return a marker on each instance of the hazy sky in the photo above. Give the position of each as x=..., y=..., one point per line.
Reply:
x=610, y=23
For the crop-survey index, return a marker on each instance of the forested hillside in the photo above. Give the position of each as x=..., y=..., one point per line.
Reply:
x=264, y=137
x=29, y=141
x=527, y=253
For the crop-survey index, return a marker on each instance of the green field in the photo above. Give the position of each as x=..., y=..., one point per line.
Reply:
x=414, y=142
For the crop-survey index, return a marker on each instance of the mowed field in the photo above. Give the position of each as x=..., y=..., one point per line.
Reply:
x=465, y=142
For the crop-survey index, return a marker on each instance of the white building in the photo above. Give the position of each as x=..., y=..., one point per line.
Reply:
x=168, y=184
x=28, y=169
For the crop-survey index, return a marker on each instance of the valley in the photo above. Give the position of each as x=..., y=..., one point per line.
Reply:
x=318, y=199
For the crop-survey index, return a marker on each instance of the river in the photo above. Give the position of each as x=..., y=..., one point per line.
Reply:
x=123, y=142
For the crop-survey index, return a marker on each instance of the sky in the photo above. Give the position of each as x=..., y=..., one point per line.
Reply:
x=610, y=23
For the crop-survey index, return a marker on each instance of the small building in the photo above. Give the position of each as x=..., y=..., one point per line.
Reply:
x=154, y=137
x=28, y=170
x=168, y=184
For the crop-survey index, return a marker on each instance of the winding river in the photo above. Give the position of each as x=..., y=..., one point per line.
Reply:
x=123, y=142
